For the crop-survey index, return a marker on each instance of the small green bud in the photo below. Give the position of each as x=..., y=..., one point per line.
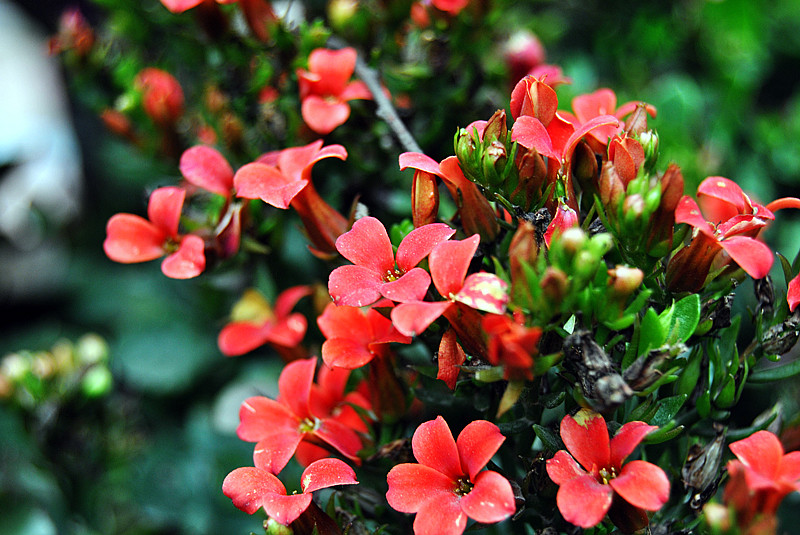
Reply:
x=97, y=381
x=91, y=349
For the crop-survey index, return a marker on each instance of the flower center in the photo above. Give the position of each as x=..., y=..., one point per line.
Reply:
x=607, y=474
x=463, y=486
x=308, y=425
x=392, y=275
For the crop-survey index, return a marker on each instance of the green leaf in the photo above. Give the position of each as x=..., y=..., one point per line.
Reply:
x=667, y=409
x=682, y=319
x=776, y=373
x=548, y=438
x=652, y=333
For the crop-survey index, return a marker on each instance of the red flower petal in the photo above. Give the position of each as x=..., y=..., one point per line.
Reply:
x=761, y=451
x=583, y=501
x=490, y=500
x=345, y=322
x=793, y=293
x=433, y=446
x=562, y=467
x=289, y=298
x=179, y=6
x=586, y=438
x=241, y=337
x=260, y=416
x=600, y=102
x=753, y=256
x=532, y=134
x=595, y=124
x=477, y=443
x=273, y=452
x=334, y=67
x=412, y=485
x=484, y=291
x=721, y=199
x=297, y=162
x=206, y=168
x=288, y=331
x=449, y=262
x=260, y=181
x=294, y=385
x=130, y=238
x=188, y=261
x=412, y=286
x=323, y=116
x=367, y=244
x=286, y=509
x=450, y=357
x=354, y=286
x=420, y=242
x=688, y=212
x=625, y=441
x=643, y=485
x=357, y=90
x=250, y=487
x=790, y=468
x=442, y=516
x=164, y=209
x=345, y=353
x=327, y=473
x=413, y=318
x=417, y=160
x=341, y=437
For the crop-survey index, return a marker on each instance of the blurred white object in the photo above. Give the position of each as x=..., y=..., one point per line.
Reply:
x=42, y=176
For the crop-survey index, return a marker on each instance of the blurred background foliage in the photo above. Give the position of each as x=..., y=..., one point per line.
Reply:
x=144, y=450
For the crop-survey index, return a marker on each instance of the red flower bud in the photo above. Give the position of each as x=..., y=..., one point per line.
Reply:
x=162, y=96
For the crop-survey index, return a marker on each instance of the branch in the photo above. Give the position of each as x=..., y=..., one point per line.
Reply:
x=385, y=110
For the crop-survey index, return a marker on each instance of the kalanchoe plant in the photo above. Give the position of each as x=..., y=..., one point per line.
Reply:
x=560, y=302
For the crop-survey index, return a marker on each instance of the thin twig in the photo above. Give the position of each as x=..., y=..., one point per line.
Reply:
x=385, y=110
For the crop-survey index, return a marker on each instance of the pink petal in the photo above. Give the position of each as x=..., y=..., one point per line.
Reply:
x=586, y=438
x=490, y=500
x=688, y=212
x=560, y=129
x=179, y=6
x=419, y=161
x=357, y=90
x=323, y=116
x=297, y=162
x=367, y=244
x=532, y=134
x=442, y=516
x=413, y=318
x=600, y=102
x=433, y=446
x=206, y=168
x=347, y=322
x=250, y=487
x=477, y=443
x=420, y=242
x=721, y=199
x=286, y=509
x=289, y=331
x=484, y=291
x=260, y=181
x=260, y=416
x=241, y=337
x=583, y=501
x=753, y=256
x=625, y=441
x=130, y=238
x=761, y=451
x=354, y=286
x=412, y=485
x=334, y=67
x=345, y=353
x=643, y=485
x=294, y=385
x=188, y=261
x=793, y=293
x=412, y=286
x=450, y=357
x=289, y=298
x=327, y=473
x=586, y=128
x=449, y=262
x=562, y=467
x=342, y=438
x=273, y=452
x=164, y=209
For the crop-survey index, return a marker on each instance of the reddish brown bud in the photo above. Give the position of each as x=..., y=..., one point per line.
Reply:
x=496, y=128
x=611, y=187
x=554, y=284
x=671, y=188
x=636, y=123
x=424, y=198
x=523, y=249
x=584, y=165
x=627, y=155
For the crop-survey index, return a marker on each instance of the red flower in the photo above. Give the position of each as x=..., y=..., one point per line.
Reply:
x=565, y=218
x=603, y=102
x=131, y=238
x=253, y=487
x=729, y=222
x=760, y=477
x=793, y=293
x=325, y=88
x=206, y=168
x=449, y=262
x=353, y=337
x=511, y=344
x=447, y=485
x=375, y=274
x=264, y=325
x=592, y=474
x=162, y=96
x=280, y=426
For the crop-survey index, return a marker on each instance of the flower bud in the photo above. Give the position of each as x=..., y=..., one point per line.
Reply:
x=611, y=188
x=624, y=280
x=584, y=166
x=74, y=33
x=523, y=249
x=649, y=142
x=494, y=162
x=162, y=96
x=424, y=198
x=627, y=155
x=91, y=349
x=636, y=123
x=554, y=284
x=564, y=219
x=496, y=129
x=97, y=381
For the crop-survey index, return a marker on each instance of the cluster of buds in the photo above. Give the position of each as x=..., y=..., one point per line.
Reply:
x=30, y=378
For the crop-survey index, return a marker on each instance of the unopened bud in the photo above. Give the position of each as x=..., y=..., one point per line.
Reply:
x=633, y=209
x=572, y=240
x=424, y=198
x=584, y=166
x=671, y=187
x=649, y=141
x=636, y=123
x=494, y=162
x=496, y=128
x=611, y=188
x=523, y=249
x=91, y=349
x=97, y=381
x=625, y=280
x=554, y=284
